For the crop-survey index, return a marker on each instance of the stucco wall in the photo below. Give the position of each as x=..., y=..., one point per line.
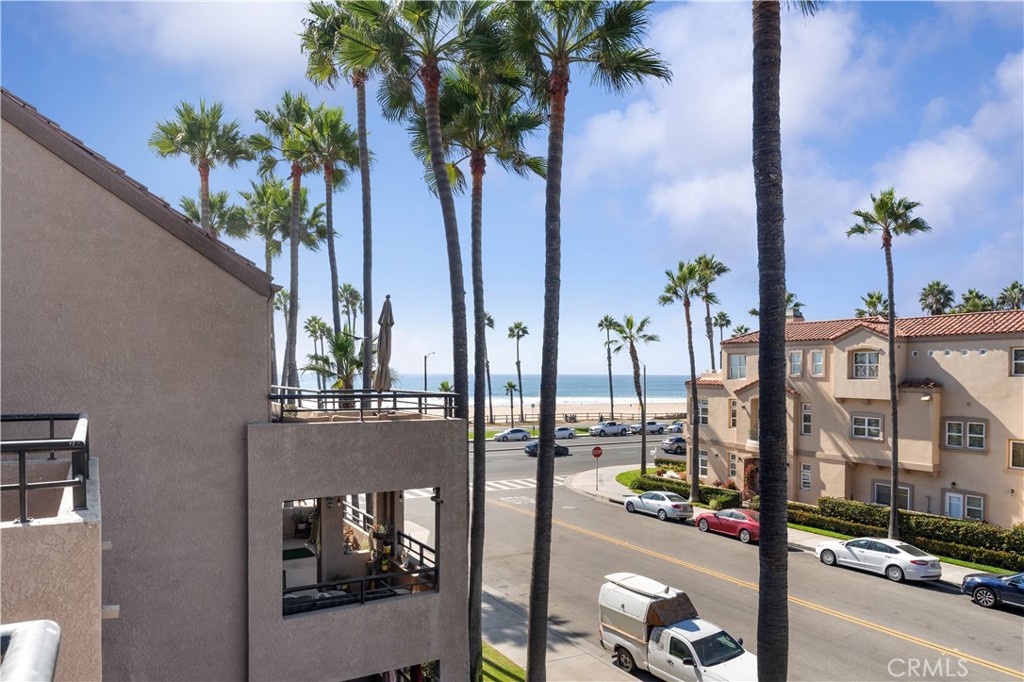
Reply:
x=105, y=312
x=51, y=570
x=299, y=461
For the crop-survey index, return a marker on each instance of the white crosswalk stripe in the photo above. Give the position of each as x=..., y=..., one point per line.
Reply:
x=492, y=486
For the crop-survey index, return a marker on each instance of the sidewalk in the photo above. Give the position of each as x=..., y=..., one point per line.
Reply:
x=603, y=486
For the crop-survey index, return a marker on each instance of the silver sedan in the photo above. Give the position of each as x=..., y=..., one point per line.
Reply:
x=896, y=560
x=565, y=432
x=661, y=503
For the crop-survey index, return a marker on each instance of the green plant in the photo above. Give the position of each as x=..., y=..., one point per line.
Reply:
x=301, y=514
x=726, y=498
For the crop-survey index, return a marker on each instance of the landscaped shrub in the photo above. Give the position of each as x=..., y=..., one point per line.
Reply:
x=726, y=498
x=670, y=463
x=1012, y=561
x=755, y=502
x=805, y=518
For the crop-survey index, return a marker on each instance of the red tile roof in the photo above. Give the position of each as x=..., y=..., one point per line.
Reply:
x=701, y=381
x=750, y=384
x=961, y=324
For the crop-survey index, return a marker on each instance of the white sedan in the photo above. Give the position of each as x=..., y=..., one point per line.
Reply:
x=565, y=432
x=512, y=434
x=896, y=560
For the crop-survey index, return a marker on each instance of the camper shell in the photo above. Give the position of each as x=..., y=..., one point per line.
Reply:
x=633, y=605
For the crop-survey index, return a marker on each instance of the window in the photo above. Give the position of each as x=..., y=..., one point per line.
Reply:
x=737, y=366
x=702, y=459
x=817, y=363
x=931, y=353
x=865, y=365
x=956, y=431
x=946, y=353
x=796, y=363
x=913, y=354
x=867, y=427
x=702, y=410
x=974, y=507
x=805, y=419
x=884, y=496
x=1017, y=454
x=1018, y=362
x=982, y=351
x=805, y=477
x=964, y=351
x=733, y=411
x=732, y=464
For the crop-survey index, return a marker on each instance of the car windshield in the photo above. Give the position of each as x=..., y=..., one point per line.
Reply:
x=672, y=497
x=718, y=648
x=911, y=550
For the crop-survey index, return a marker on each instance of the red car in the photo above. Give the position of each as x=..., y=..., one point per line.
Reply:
x=742, y=523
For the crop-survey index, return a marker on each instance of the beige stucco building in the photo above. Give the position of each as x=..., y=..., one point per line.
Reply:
x=961, y=413
x=114, y=304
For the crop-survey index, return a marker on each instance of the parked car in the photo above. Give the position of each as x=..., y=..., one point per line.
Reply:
x=512, y=434
x=565, y=432
x=674, y=444
x=896, y=560
x=742, y=523
x=609, y=429
x=531, y=449
x=662, y=503
x=675, y=427
x=652, y=427
x=988, y=589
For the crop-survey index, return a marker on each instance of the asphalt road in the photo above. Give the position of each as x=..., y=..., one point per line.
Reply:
x=844, y=624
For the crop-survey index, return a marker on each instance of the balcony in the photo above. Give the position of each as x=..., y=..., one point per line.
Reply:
x=311, y=405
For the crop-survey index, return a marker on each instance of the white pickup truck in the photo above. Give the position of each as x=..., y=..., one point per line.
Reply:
x=609, y=429
x=652, y=427
x=654, y=627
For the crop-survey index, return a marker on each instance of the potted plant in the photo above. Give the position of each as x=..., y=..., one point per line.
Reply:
x=301, y=517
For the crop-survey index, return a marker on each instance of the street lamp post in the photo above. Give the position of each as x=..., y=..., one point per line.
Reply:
x=643, y=421
x=425, y=369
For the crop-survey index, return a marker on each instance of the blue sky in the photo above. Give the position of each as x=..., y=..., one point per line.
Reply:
x=925, y=97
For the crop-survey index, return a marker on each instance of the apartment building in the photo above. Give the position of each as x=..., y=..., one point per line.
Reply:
x=116, y=306
x=961, y=413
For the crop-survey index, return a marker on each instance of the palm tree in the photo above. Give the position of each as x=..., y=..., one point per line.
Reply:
x=875, y=305
x=630, y=333
x=445, y=387
x=489, y=321
x=281, y=305
x=510, y=391
x=332, y=148
x=936, y=298
x=710, y=269
x=206, y=140
x=224, y=219
x=973, y=301
x=740, y=329
x=607, y=325
x=284, y=142
x=318, y=331
x=891, y=216
x=721, y=321
x=792, y=305
x=550, y=37
x=517, y=331
x=342, y=41
x=684, y=285
x=351, y=303
x=1012, y=297
x=773, y=593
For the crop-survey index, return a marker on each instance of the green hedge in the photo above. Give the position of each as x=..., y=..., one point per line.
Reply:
x=722, y=497
x=669, y=463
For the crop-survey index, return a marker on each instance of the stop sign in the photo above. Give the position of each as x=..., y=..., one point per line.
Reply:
x=597, y=451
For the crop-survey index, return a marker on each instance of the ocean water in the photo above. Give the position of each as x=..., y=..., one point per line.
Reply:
x=576, y=389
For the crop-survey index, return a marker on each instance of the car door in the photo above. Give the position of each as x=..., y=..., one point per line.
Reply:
x=664, y=660
x=876, y=556
x=651, y=502
x=727, y=522
x=850, y=554
x=1014, y=592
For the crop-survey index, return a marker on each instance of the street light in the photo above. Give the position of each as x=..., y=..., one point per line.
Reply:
x=425, y=369
x=643, y=420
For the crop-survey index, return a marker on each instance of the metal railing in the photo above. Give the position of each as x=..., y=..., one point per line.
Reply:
x=356, y=401
x=424, y=554
x=28, y=650
x=77, y=445
x=334, y=593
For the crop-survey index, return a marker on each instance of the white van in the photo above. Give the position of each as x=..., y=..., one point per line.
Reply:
x=654, y=627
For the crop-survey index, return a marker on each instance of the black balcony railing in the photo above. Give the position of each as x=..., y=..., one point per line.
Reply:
x=77, y=445
x=334, y=593
x=293, y=402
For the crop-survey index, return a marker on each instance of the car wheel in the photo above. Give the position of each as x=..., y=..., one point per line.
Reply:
x=828, y=557
x=894, y=573
x=745, y=536
x=678, y=450
x=630, y=508
x=984, y=597
x=662, y=516
x=526, y=438
x=504, y=439
x=625, y=660
x=572, y=434
x=661, y=431
x=623, y=432
x=702, y=525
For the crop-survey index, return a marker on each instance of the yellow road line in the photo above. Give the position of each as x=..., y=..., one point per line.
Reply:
x=796, y=600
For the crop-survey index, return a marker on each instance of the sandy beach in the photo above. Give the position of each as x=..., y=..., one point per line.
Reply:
x=626, y=410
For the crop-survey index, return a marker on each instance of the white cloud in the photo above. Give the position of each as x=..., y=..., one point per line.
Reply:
x=244, y=51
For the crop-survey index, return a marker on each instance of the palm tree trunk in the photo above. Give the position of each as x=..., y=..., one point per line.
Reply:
x=204, y=194
x=431, y=76
x=773, y=555
x=643, y=411
x=273, y=343
x=694, y=444
x=710, y=331
x=519, y=375
x=476, y=528
x=490, y=394
x=291, y=367
x=359, y=81
x=331, y=254
x=611, y=390
x=536, y=668
x=894, y=508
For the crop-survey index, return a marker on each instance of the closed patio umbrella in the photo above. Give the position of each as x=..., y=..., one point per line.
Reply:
x=382, y=377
